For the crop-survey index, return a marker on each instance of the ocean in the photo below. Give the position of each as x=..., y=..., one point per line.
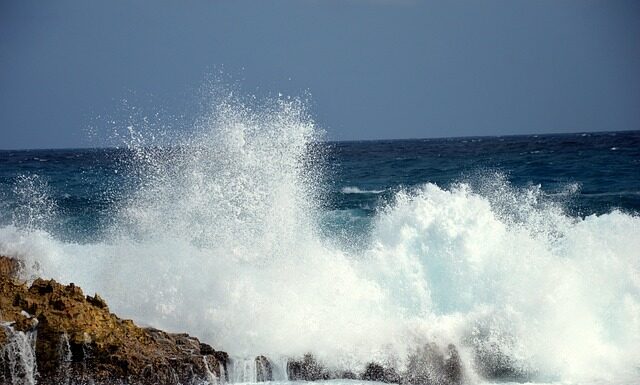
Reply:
x=256, y=235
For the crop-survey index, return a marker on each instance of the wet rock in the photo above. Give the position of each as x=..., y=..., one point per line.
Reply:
x=80, y=341
x=373, y=372
x=17, y=357
x=492, y=363
x=429, y=365
x=453, y=365
x=376, y=372
x=307, y=369
x=206, y=349
x=264, y=372
x=9, y=267
x=492, y=359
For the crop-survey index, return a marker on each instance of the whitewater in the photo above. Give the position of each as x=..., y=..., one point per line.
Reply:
x=223, y=235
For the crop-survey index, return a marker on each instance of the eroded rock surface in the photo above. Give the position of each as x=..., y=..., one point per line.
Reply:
x=80, y=341
x=376, y=372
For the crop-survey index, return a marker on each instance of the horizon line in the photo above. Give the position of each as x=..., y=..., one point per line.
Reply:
x=363, y=140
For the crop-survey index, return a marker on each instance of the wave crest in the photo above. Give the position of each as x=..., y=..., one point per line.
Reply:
x=221, y=239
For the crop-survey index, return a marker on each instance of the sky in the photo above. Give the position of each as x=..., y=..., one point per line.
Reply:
x=374, y=69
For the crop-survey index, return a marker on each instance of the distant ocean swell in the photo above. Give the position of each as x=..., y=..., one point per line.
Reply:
x=221, y=238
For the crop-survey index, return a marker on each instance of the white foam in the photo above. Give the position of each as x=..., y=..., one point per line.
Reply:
x=356, y=190
x=18, y=356
x=221, y=240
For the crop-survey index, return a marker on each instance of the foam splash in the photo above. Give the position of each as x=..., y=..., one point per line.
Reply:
x=221, y=239
x=34, y=207
x=356, y=190
x=557, y=295
x=18, y=357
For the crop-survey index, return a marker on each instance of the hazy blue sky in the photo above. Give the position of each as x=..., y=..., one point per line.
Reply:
x=374, y=68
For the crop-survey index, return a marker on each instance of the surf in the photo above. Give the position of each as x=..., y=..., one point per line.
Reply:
x=221, y=236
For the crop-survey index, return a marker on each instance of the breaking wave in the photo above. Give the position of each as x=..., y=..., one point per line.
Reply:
x=221, y=239
x=356, y=190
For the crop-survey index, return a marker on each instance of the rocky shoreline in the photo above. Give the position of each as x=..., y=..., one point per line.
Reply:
x=77, y=340
x=55, y=334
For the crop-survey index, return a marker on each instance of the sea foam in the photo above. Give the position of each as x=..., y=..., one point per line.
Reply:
x=221, y=239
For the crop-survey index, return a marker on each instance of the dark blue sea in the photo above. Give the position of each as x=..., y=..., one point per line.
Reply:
x=587, y=173
x=260, y=239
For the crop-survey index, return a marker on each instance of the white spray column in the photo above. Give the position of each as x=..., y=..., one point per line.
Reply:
x=19, y=356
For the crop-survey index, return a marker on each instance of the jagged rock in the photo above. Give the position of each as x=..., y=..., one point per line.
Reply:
x=492, y=358
x=264, y=372
x=97, y=301
x=9, y=267
x=373, y=372
x=80, y=341
x=430, y=366
x=206, y=349
x=376, y=372
x=492, y=363
x=307, y=369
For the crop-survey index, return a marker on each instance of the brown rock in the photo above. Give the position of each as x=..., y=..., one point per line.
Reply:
x=9, y=267
x=97, y=301
x=78, y=338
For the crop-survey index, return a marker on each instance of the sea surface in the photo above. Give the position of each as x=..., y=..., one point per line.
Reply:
x=257, y=236
x=586, y=173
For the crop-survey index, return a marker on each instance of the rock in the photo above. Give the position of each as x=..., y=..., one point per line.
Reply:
x=206, y=349
x=453, y=366
x=307, y=369
x=25, y=322
x=373, y=372
x=79, y=340
x=492, y=363
x=9, y=267
x=430, y=366
x=376, y=372
x=264, y=372
x=97, y=301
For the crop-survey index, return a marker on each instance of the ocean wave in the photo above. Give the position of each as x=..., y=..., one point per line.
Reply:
x=222, y=239
x=356, y=190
